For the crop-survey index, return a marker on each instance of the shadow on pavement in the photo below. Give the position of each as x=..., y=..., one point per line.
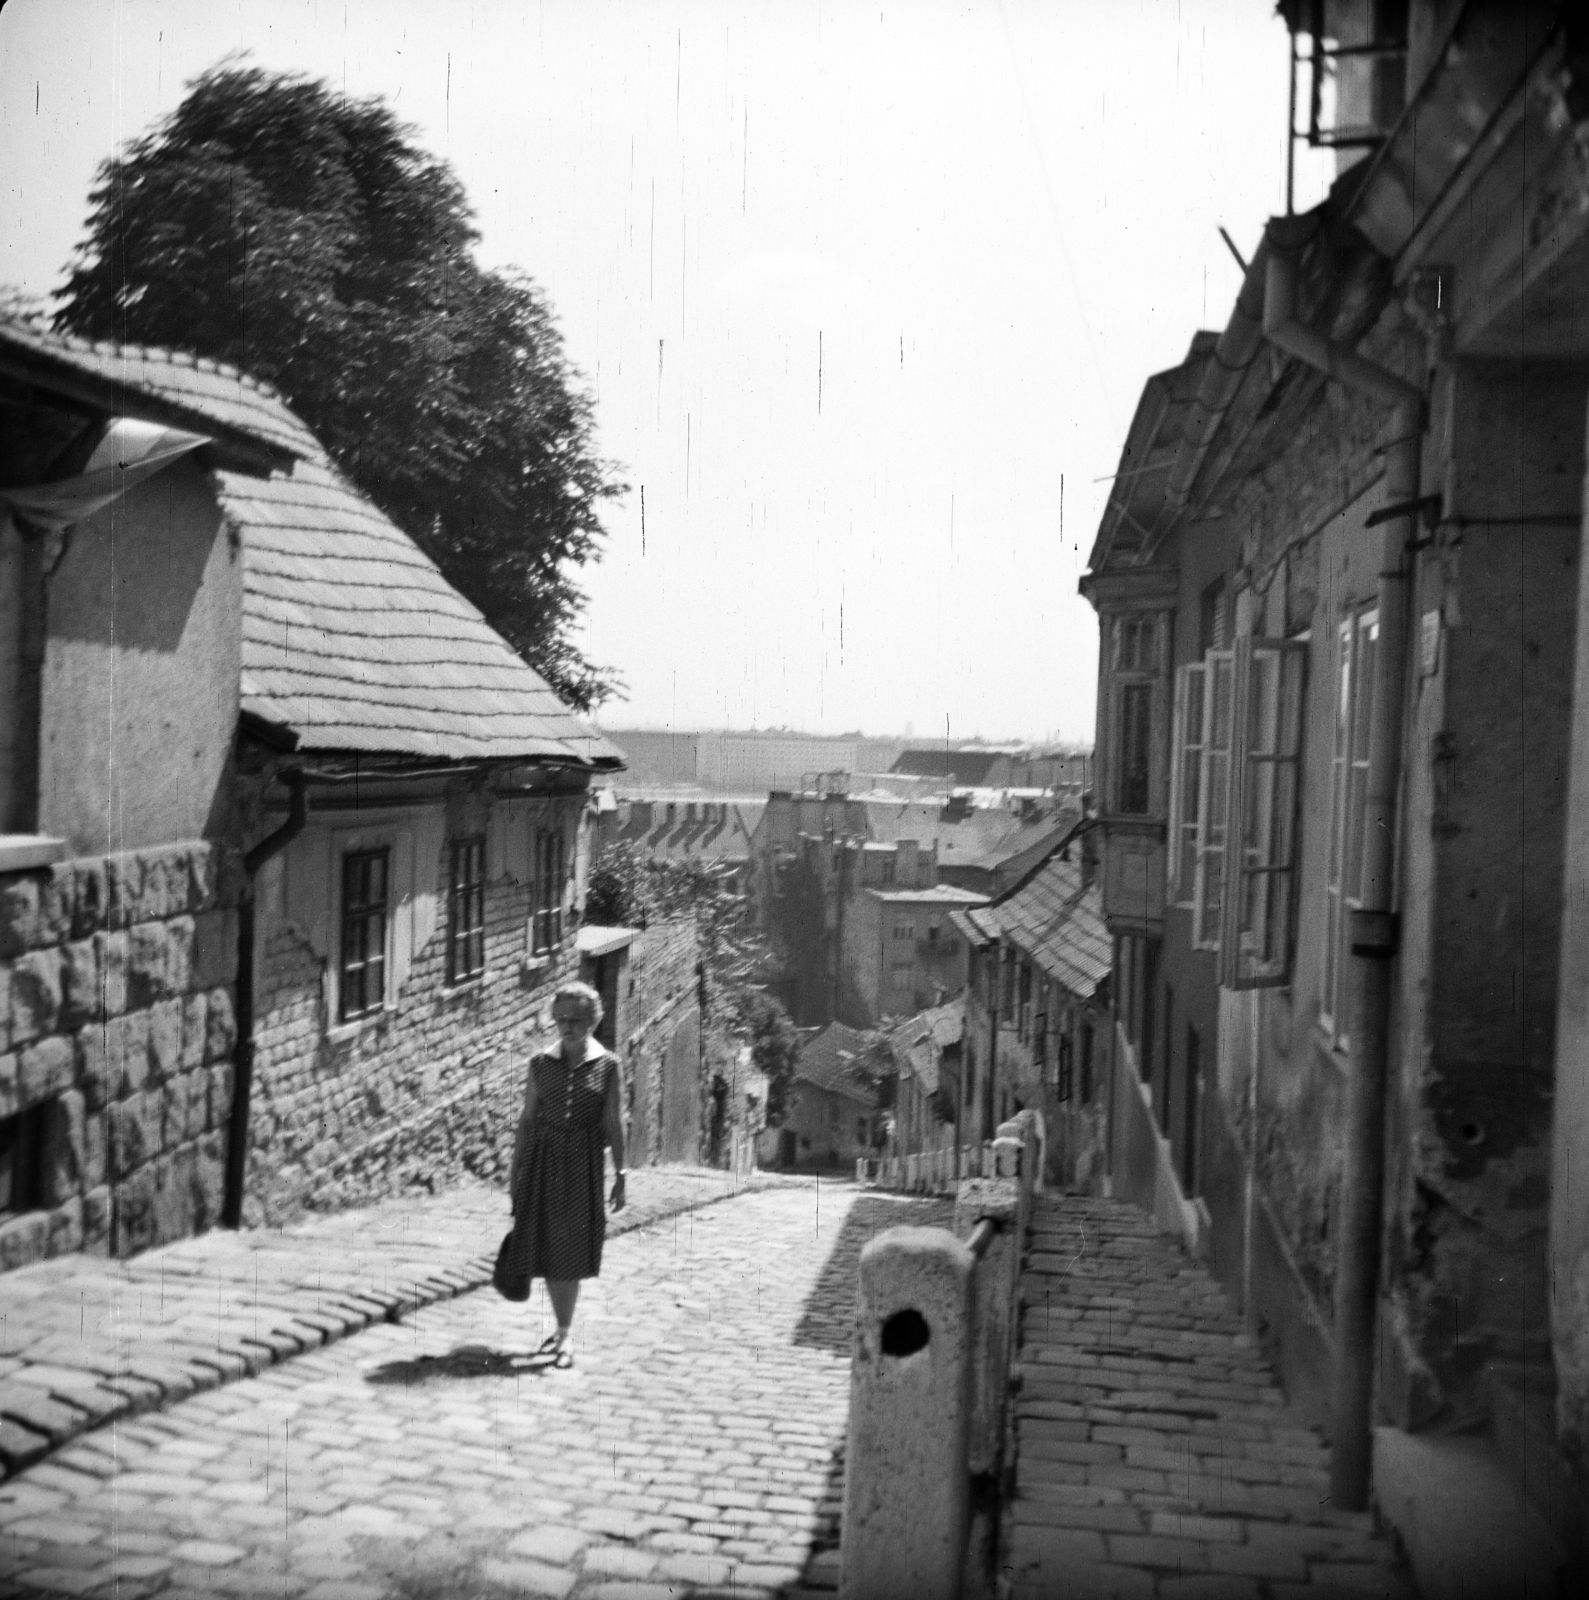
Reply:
x=827, y=1320
x=466, y=1361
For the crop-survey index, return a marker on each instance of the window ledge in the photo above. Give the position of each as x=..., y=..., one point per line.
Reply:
x=28, y=852
x=471, y=985
x=344, y=1031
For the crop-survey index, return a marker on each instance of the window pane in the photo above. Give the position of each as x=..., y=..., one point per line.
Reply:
x=1136, y=702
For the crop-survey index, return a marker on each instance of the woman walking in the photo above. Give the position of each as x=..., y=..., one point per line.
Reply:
x=571, y=1112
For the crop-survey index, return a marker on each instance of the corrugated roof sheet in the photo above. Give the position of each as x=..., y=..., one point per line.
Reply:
x=943, y=894
x=1059, y=924
x=205, y=390
x=352, y=637
x=827, y=1061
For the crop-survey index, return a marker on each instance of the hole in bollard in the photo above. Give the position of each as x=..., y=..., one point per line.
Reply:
x=905, y=1333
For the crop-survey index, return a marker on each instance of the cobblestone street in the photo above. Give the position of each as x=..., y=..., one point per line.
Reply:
x=1157, y=1456
x=692, y=1447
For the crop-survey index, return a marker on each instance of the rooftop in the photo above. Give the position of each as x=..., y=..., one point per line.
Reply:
x=1052, y=918
x=827, y=1061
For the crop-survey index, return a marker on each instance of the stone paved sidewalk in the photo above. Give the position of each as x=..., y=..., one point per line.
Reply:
x=1155, y=1454
x=84, y=1339
x=694, y=1448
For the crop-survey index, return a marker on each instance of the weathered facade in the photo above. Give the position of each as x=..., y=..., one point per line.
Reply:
x=1037, y=1022
x=120, y=600
x=833, y=1113
x=1335, y=587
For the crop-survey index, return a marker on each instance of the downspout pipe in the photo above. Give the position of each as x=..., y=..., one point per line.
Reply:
x=243, y=1059
x=1373, y=923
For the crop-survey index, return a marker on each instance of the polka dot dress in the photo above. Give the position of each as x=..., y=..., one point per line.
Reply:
x=560, y=1221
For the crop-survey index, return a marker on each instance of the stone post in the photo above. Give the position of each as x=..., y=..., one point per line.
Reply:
x=906, y=1489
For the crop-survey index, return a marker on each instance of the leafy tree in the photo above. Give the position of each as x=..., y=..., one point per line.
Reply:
x=774, y=1048
x=271, y=223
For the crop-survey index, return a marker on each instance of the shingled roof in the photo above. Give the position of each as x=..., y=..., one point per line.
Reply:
x=204, y=396
x=1057, y=921
x=827, y=1061
x=351, y=636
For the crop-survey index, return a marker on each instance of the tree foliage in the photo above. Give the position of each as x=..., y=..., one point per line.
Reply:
x=272, y=223
x=627, y=888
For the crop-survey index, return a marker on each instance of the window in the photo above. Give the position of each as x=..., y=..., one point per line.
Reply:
x=364, y=905
x=1237, y=744
x=1023, y=1012
x=466, y=911
x=1256, y=945
x=860, y=1130
x=903, y=930
x=1009, y=985
x=546, y=929
x=1136, y=748
x=1086, y=1061
x=1356, y=645
x=1137, y=642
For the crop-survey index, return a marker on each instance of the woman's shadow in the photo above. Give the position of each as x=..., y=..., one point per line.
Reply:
x=466, y=1361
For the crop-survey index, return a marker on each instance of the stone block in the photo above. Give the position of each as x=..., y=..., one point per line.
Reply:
x=133, y=1221
x=44, y=1069
x=165, y=1039
x=35, y=995
x=81, y=991
x=55, y=906
x=154, y=896
x=5, y=1005
x=203, y=867
x=214, y=949
x=24, y=1239
x=95, y=1155
x=66, y=1228
x=195, y=1009
x=149, y=963
x=126, y=1041
x=221, y=1025
x=219, y=1108
x=97, y=1210
x=173, y=1195
x=187, y=1106
x=8, y=1083
x=113, y=971
x=134, y=1127
x=64, y=1157
x=123, y=888
x=208, y=1181
x=19, y=912
x=89, y=892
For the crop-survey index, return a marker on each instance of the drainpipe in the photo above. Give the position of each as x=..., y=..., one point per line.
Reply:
x=243, y=1060
x=1373, y=923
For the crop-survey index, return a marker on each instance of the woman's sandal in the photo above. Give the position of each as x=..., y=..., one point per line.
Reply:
x=550, y=1345
x=563, y=1360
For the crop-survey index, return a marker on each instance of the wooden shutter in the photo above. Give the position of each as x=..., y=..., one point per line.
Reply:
x=1213, y=800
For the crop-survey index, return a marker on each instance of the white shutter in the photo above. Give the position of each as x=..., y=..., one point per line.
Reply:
x=1262, y=824
x=1213, y=800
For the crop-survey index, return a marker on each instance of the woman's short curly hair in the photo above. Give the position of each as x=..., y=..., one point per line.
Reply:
x=583, y=995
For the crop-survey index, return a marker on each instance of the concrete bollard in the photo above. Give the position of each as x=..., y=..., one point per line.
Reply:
x=906, y=1490
x=993, y=1311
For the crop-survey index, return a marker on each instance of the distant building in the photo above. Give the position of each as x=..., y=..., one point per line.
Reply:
x=709, y=832
x=928, y=1052
x=834, y=1114
x=756, y=762
x=665, y=760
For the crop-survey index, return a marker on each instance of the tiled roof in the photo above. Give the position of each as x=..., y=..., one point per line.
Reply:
x=354, y=640
x=966, y=766
x=1059, y=924
x=199, y=391
x=920, y=1040
x=826, y=1062
x=685, y=830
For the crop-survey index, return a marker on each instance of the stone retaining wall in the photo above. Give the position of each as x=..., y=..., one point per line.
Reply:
x=117, y=1031
x=659, y=998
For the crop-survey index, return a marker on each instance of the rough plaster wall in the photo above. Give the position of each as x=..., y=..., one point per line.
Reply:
x=658, y=993
x=10, y=666
x=141, y=671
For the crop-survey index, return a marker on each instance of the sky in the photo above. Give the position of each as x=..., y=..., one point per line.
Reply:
x=865, y=294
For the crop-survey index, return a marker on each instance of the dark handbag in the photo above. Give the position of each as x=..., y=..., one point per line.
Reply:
x=507, y=1277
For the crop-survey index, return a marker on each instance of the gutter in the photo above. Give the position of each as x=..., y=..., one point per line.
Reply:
x=243, y=1059
x=1373, y=922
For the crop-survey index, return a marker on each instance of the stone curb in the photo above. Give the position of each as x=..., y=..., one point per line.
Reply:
x=46, y=1404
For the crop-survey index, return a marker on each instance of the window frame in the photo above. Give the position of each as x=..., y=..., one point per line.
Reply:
x=1352, y=717
x=1216, y=762
x=1186, y=747
x=466, y=930
x=1260, y=955
x=550, y=887
x=358, y=915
